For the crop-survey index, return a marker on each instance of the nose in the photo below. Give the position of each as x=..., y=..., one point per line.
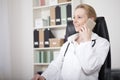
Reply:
x=74, y=20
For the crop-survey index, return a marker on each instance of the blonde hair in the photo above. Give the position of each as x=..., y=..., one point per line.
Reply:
x=89, y=9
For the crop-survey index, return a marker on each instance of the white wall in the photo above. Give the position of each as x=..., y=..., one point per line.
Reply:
x=110, y=10
x=21, y=38
x=5, y=57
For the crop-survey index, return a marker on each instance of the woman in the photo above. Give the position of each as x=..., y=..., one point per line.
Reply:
x=82, y=61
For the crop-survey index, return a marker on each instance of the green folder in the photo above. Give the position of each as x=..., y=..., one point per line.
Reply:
x=45, y=57
x=63, y=15
x=51, y=56
x=36, y=57
x=48, y=56
x=42, y=57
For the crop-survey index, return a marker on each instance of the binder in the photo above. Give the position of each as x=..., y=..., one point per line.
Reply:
x=58, y=15
x=52, y=15
x=49, y=56
x=45, y=57
x=47, y=34
x=42, y=56
x=63, y=15
x=69, y=12
x=37, y=57
x=41, y=38
x=36, y=39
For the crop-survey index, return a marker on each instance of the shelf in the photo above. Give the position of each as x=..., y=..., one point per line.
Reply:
x=41, y=7
x=41, y=64
x=47, y=48
x=43, y=12
x=55, y=26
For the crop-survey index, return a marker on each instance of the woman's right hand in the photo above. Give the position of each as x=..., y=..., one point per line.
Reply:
x=38, y=77
x=85, y=33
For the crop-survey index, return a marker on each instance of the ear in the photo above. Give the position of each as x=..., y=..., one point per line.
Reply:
x=92, y=18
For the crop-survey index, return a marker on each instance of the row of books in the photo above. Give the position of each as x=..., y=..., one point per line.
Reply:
x=48, y=2
x=41, y=38
x=45, y=38
x=59, y=15
x=43, y=56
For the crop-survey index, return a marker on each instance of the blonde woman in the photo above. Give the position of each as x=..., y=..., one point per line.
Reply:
x=81, y=61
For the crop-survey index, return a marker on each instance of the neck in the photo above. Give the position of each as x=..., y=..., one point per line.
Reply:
x=78, y=40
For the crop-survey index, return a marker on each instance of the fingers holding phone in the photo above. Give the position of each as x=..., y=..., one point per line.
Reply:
x=85, y=34
x=86, y=30
x=90, y=24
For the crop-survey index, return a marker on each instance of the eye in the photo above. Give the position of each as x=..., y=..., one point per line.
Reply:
x=79, y=17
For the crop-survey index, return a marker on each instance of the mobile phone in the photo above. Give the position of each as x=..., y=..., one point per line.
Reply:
x=90, y=24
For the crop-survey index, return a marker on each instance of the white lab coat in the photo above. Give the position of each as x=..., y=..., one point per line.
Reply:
x=81, y=62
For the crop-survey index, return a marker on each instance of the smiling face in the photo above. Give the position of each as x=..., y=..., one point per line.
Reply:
x=81, y=15
x=80, y=18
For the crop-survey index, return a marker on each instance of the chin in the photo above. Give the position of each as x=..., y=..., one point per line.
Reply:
x=76, y=30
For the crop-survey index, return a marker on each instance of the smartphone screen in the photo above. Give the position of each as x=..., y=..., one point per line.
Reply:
x=90, y=24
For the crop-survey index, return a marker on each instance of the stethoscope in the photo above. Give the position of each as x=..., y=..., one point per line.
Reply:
x=93, y=44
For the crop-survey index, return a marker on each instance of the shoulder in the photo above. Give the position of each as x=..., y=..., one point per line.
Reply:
x=101, y=41
x=64, y=46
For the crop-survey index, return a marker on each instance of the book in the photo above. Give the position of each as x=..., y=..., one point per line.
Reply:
x=41, y=38
x=47, y=34
x=52, y=15
x=36, y=39
x=63, y=15
x=46, y=56
x=45, y=59
x=58, y=15
x=69, y=12
x=42, y=56
x=49, y=56
x=37, y=57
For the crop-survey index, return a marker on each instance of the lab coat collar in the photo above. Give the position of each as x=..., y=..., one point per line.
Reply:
x=74, y=36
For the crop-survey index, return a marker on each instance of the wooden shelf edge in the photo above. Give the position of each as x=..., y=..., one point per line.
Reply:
x=39, y=64
x=41, y=7
x=48, y=48
x=52, y=27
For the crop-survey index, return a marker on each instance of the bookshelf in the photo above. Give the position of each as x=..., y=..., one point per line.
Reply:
x=47, y=6
x=49, y=48
x=42, y=17
x=52, y=27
